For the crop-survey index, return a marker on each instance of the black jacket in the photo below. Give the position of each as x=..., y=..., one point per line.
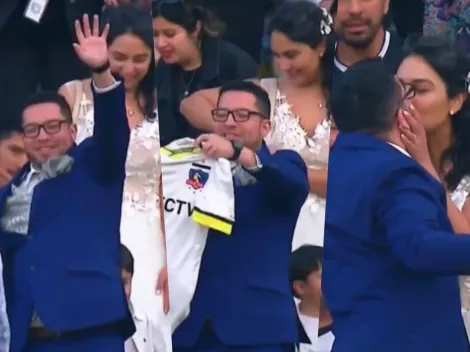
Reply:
x=74, y=9
x=222, y=62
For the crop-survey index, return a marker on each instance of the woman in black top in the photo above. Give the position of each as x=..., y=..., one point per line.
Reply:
x=193, y=57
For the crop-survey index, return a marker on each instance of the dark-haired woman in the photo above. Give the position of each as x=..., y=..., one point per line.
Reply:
x=436, y=132
x=298, y=31
x=192, y=57
x=130, y=45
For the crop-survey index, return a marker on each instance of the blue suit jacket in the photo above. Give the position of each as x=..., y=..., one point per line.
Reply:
x=243, y=286
x=67, y=267
x=390, y=259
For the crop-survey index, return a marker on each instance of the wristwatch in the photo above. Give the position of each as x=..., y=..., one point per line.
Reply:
x=237, y=150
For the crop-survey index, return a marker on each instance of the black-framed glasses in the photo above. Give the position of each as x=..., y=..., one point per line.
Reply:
x=239, y=115
x=52, y=127
x=409, y=91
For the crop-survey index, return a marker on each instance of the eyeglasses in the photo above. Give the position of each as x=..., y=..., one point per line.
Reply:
x=409, y=91
x=50, y=127
x=239, y=115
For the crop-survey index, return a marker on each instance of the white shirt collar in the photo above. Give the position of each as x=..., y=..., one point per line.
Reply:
x=383, y=51
x=400, y=149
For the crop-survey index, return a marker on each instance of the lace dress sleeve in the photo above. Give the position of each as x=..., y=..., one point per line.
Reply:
x=461, y=193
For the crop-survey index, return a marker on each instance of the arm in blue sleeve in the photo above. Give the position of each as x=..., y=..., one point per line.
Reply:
x=106, y=152
x=285, y=177
x=410, y=209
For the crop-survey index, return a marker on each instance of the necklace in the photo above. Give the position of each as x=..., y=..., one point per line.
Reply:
x=188, y=86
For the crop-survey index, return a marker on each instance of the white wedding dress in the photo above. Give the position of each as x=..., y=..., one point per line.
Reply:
x=287, y=133
x=140, y=223
x=459, y=197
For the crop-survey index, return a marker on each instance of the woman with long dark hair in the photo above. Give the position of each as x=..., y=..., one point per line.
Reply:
x=299, y=32
x=436, y=131
x=131, y=56
x=193, y=57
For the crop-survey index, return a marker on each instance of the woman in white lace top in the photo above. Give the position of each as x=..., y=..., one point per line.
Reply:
x=300, y=122
x=436, y=77
x=131, y=53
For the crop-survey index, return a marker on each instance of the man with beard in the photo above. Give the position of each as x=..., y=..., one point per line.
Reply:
x=361, y=34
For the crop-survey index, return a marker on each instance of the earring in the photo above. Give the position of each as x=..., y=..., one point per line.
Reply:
x=451, y=112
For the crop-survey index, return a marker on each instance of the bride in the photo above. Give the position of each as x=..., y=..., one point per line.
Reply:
x=130, y=45
x=300, y=119
x=436, y=133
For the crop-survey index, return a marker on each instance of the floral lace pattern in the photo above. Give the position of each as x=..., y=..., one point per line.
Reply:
x=287, y=133
x=141, y=189
x=459, y=196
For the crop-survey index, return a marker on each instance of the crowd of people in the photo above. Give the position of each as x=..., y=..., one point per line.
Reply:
x=191, y=141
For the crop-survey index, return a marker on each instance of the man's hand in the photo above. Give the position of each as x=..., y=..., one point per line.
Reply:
x=214, y=146
x=162, y=288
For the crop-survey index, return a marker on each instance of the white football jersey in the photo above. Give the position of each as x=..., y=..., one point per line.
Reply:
x=197, y=196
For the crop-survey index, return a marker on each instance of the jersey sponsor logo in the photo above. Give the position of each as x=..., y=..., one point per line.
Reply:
x=197, y=178
x=178, y=206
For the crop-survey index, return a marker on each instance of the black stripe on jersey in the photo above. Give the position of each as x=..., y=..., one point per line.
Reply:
x=227, y=221
x=202, y=166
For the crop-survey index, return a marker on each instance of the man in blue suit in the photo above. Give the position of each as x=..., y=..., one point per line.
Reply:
x=60, y=218
x=243, y=300
x=390, y=259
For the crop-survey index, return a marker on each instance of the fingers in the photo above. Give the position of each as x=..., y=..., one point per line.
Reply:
x=79, y=31
x=86, y=26
x=199, y=140
x=96, y=26
x=412, y=119
x=407, y=141
x=105, y=33
x=409, y=135
x=166, y=300
x=76, y=47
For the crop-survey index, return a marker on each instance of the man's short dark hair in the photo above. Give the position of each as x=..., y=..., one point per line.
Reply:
x=304, y=261
x=126, y=260
x=366, y=98
x=262, y=98
x=50, y=97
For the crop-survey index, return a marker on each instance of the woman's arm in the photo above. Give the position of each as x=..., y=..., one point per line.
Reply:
x=197, y=108
x=317, y=181
x=460, y=220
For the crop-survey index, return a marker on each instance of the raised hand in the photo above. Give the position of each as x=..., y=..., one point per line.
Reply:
x=92, y=47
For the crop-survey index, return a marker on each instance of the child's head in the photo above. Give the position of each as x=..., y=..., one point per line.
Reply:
x=305, y=273
x=127, y=269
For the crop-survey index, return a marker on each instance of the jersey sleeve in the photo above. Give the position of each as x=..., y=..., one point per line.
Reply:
x=215, y=205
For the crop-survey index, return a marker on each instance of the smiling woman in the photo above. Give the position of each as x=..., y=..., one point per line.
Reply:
x=193, y=57
x=131, y=56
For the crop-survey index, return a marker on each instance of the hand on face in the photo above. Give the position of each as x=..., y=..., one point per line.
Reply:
x=413, y=135
x=214, y=146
